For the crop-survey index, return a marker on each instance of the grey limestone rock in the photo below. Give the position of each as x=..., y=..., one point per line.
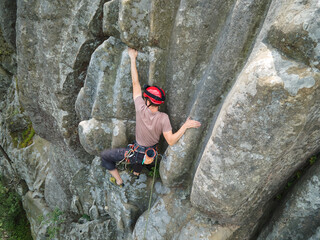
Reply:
x=247, y=69
x=298, y=216
x=173, y=217
x=5, y=82
x=36, y=209
x=127, y=204
x=248, y=161
x=54, y=44
x=106, y=92
x=32, y=164
x=295, y=33
x=96, y=229
x=81, y=190
x=64, y=166
x=209, y=79
x=166, y=215
x=265, y=113
x=134, y=22
x=111, y=18
x=55, y=195
x=8, y=10
x=95, y=136
x=201, y=228
x=316, y=235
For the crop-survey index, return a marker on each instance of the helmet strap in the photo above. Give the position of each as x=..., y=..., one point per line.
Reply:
x=147, y=102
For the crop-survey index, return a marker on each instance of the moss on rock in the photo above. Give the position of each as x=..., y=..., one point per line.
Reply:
x=20, y=128
x=27, y=137
x=5, y=49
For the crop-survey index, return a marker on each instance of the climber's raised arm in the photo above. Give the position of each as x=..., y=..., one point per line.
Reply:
x=172, y=138
x=134, y=73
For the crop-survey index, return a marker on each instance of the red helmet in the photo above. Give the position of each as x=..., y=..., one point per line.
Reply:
x=155, y=94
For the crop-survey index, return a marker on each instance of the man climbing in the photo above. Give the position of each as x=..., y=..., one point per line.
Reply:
x=150, y=124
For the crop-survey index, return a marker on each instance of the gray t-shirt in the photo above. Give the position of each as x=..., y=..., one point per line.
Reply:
x=149, y=125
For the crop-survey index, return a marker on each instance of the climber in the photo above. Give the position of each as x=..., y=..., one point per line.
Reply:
x=150, y=124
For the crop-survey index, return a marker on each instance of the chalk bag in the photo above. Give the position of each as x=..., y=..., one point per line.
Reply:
x=149, y=156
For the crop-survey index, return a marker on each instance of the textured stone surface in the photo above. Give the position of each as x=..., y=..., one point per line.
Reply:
x=201, y=228
x=173, y=217
x=111, y=18
x=209, y=79
x=35, y=209
x=105, y=102
x=316, y=235
x=266, y=100
x=8, y=65
x=296, y=32
x=64, y=166
x=171, y=211
x=107, y=91
x=134, y=22
x=33, y=164
x=123, y=205
x=247, y=69
x=278, y=96
x=95, y=136
x=8, y=10
x=297, y=218
x=55, y=41
x=97, y=229
x=5, y=82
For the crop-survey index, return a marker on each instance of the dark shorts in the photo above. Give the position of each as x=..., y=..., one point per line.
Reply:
x=110, y=157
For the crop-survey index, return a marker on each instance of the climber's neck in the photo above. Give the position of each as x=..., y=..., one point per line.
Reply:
x=154, y=108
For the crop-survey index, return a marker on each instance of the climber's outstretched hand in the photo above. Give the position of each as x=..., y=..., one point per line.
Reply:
x=191, y=123
x=132, y=53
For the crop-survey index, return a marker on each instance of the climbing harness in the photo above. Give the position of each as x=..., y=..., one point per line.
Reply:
x=150, y=153
x=127, y=155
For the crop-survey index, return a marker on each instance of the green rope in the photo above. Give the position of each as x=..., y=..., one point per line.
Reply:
x=150, y=198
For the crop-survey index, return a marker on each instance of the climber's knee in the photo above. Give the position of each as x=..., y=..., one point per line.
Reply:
x=106, y=160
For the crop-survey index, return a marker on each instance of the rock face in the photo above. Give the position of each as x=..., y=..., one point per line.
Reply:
x=301, y=207
x=7, y=21
x=270, y=108
x=228, y=43
x=248, y=70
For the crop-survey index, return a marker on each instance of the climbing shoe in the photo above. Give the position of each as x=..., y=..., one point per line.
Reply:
x=114, y=182
x=134, y=176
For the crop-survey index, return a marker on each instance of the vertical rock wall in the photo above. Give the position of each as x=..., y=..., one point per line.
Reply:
x=247, y=69
x=264, y=126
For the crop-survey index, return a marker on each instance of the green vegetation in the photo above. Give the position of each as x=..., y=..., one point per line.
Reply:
x=54, y=219
x=27, y=136
x=23, y=139
x=312, y=160
x=154, y=171
x=298, y=175
x=5, y=49
x=20, y=127
x=87, y=217
x=14, y=224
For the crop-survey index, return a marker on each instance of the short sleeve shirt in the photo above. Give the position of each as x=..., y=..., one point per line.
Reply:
x=149, y=125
